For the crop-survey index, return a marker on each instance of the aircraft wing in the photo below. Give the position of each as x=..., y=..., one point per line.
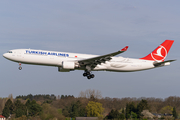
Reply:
x=93, y=62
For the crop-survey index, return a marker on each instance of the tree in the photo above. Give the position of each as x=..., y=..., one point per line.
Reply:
x=20, y=109
x=94, y=109
x=20, y=112
x=66, y=113
x=74, y=110
x=8, y=108
x=123, y=111
x=133, y=115
x=11, y=97
x=77, y=110
x=6, y=112
x=121, y=117
x=174, y=113
x=143, y=105
x=95, y=94
x=9, y=104
x=114, y=114
x=167, y=109
x=34, y=108
x=50, y=113
x=111, y=114
x=3, y=102
x=28, y=102
x=127, y=115
x=130, y=107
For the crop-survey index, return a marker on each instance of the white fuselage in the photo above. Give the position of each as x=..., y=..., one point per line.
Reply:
x=53, y=58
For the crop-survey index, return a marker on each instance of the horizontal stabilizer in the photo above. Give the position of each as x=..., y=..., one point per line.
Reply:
x=158, y=64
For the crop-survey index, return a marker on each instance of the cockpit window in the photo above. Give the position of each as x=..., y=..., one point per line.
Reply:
x=9, y=51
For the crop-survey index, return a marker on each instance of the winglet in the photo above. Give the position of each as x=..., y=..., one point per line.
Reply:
x=125, y=48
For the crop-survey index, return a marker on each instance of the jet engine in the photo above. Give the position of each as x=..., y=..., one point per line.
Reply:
x=60, y=69
x=68, y=65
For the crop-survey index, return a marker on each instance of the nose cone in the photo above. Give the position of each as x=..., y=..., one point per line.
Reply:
x=5, y=55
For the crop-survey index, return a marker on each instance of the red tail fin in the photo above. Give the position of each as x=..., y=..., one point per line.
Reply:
x=160, y=53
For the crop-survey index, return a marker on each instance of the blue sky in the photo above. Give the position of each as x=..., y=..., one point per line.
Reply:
x=93, y=27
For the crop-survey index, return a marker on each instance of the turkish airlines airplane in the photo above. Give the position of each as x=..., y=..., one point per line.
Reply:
x=66, y=61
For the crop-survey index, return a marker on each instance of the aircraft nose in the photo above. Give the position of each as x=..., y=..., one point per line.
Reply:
x=5, y=55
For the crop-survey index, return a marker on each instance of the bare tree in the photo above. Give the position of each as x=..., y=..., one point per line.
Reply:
x=89, y=93
x=3, y=103
x=11, y=97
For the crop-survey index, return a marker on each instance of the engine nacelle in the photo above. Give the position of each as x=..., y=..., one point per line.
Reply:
x=60, y=69
x=68, y=65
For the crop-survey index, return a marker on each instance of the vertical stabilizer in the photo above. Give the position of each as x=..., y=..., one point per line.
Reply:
x=160, y=53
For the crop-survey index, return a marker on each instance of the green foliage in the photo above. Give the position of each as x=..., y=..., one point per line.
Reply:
x=174, y=113
x=20, y=109
x=122, y=116
x=31, y=108
x=50, y=113
x=178, y=116
x=133, y=115
x=9, y=104
x=115, y=115
x=66, y=112
x=34, y=109
x=66, y=96
x=123, y=110
x=60, y=111
x=94, y=109
x=19, y=112
x=135, y=112
x=167, y=109
x=111, y=115
x=8, y=108
x=6, y=112
x=74, y=110
x=130, y=107
x=37, y=97
x=48, y=101
x=143, y=105
x=28, y=102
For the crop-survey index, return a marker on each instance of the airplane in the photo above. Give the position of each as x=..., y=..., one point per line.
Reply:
x=66, y=61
